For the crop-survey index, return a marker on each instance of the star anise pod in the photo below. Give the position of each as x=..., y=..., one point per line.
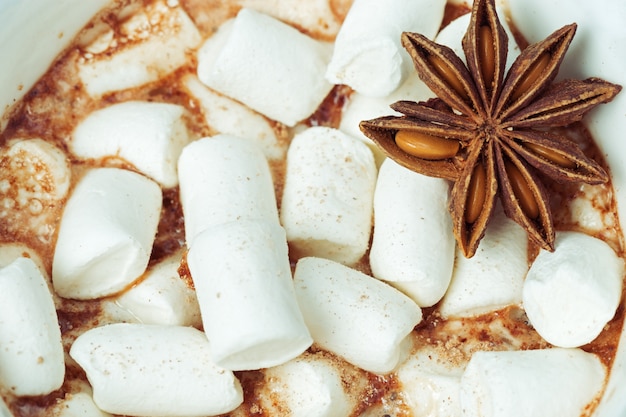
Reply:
x=489, y=130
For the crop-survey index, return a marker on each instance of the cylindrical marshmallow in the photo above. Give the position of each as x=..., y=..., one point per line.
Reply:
x=357, y=317
x=328, y=195
x=570, y=294
x=222, y=179
x=145, y=58
x=149, y=135
x=413, y=246
x=268, y=65
x=4, y=410
x=310, y=385
x=531, y=383
x=31, y=357
x=368, y=55
x=161, y=297
x=152, y=370
x=243, y=281
x=431, y=382
x=494, y=276
x=230, y=117
x=106, y=233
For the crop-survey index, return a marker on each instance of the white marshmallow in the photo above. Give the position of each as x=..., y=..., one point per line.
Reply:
x=223, y=179
x=531, y=383
x=328, y=195
x=357, y=317
x=151, y=370
x=267, y=65
x=243, y=281
x=361, y=107
x=31, y=358
x=149, y=135
x=310, y=385
x=570, y=294
x=319, y=18
x=494, y=276
x=368, y=55
x=432, y=383
x=161, y=297
x=413, y=246
x=106, y=233
x=77, y=403
x=144, y=58
x=233, y=118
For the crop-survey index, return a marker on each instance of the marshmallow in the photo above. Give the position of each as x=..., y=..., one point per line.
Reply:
x=149, y=135
x=106, y=233
x=77, y=403
x=494, y=276
x=360, y=107
x=413, y=246
x=368, y=55
x=31, y=358
x=223, y=179
x=432, y=383
x=11, y=251
x=151, y=370
x=328, y=195
x=531, y=383
x=242, y=277
x=161, y=297
x=318, y=18
x=267, y=65
x=233, y=118
x=142, y=58
x=571, y=294
x=357, y=317
x=310, y=385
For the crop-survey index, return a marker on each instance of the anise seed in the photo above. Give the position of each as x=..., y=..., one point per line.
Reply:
x=476, y=194
x=551, y=155
x=448, y=75
x=522, y=191
x=532, y=74
x=426, y=146
x=487, y=56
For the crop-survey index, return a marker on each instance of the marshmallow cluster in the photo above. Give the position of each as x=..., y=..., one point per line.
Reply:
x=238, y=256
x=267, y=283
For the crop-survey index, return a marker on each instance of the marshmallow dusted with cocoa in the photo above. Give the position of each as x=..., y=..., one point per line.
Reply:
x=149, y=135
x=243, y=281
x=570, y=294
x=266, y=64
x=413, y=246
x=106, y=233
x=31, y=358
x=327, y=200
x=153, y=370
x=494, y=276
x=143, y=58
x=222, y=179
x=530, y=383
x=355, y=316
x=368, y=55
